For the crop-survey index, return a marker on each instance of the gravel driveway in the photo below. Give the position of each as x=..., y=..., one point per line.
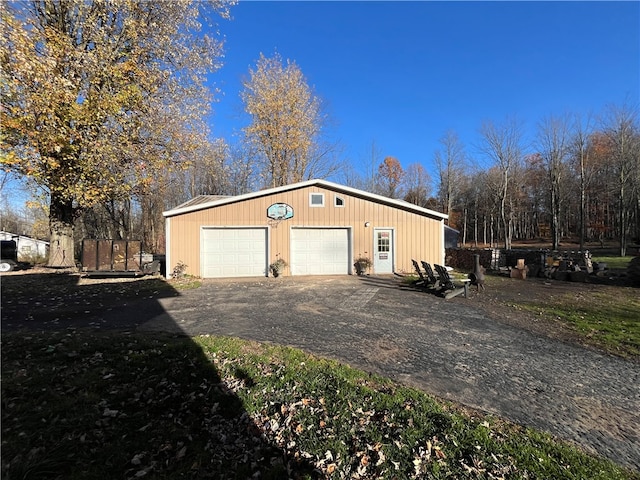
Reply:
x=448, y=348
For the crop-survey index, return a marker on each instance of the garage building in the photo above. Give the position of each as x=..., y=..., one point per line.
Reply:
x=317, y=227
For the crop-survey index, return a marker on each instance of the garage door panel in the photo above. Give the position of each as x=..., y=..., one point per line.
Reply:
x=319, y=251
x=234, y=252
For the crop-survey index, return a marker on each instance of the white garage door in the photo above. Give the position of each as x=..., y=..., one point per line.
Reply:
x=319, y=251
x=234, y=252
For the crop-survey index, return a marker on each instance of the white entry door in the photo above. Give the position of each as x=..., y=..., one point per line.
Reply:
x=383, y=250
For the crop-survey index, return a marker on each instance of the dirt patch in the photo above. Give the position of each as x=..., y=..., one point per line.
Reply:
x=385, y=350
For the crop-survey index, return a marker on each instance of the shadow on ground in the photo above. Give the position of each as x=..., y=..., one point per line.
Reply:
x=83, y=396
x=388, y=281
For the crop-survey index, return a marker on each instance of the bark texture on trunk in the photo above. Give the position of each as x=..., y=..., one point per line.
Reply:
x=61, y=246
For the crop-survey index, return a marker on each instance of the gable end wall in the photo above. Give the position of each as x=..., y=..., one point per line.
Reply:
x=416, y=236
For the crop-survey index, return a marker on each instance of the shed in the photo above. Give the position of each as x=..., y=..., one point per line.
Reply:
x=451, y=236
x=28, y=248
x=317, y=227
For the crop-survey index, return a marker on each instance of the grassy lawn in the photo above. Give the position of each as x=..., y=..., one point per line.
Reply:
x=609, y=319
x=86, y=405
x=185, y=283
x=609, y=322
x=605, y=319
x=614, y=262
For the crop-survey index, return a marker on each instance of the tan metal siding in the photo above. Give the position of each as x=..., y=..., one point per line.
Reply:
x=416, y=236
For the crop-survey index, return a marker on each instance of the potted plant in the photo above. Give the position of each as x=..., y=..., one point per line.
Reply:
x=277, y=267
x=362, y=264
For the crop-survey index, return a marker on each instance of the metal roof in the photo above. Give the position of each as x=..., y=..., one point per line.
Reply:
x=220, y=200
x=199, y=200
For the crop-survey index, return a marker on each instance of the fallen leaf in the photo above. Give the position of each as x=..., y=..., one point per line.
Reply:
x=181, y=453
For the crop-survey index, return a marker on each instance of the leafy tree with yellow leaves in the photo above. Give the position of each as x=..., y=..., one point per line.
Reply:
x=98, y=96
x=286, y=123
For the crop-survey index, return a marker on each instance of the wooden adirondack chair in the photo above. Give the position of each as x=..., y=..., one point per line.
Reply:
x=423, y=280
x=431, y=276
x=448, y=289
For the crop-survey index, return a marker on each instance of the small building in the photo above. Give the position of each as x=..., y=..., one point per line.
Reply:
x=28, y=248
x=317, y=227
x=451, y=236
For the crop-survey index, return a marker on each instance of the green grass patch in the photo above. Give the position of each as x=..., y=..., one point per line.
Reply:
x=605, y=319
x=186, y=283
x=614, y=262
x=410, y=279
x=89, y=405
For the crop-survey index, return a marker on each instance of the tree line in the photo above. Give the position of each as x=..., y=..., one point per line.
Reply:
x=104, y=106
x=579, y=177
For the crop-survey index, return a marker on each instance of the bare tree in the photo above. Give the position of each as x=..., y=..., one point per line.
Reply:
x=450, y=162
x=372, y=158
x=580, y=152
x=207, y=173
x=502, y=144
x=553, y=142
x=5, y=177
x=352, y=177
x=242, y=169
x=635, y=183
x=475, y=206
x=366, y=177
x=417, y=185
x=620, y=125
x=151, y=221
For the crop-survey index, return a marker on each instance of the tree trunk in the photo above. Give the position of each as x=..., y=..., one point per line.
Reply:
x=464, y=228
x=61, y=246
x=491, y=232
x=475, y=226
x=555, y=220
x=623, y=215
x=506, y=229
x=503, y=211
x=623, y=219
x=637, y=215
x=583, y=202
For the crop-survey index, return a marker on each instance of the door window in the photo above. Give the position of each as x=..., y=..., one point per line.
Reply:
x=383, y=241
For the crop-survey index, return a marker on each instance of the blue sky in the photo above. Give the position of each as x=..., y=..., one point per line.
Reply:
x=401, y=74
